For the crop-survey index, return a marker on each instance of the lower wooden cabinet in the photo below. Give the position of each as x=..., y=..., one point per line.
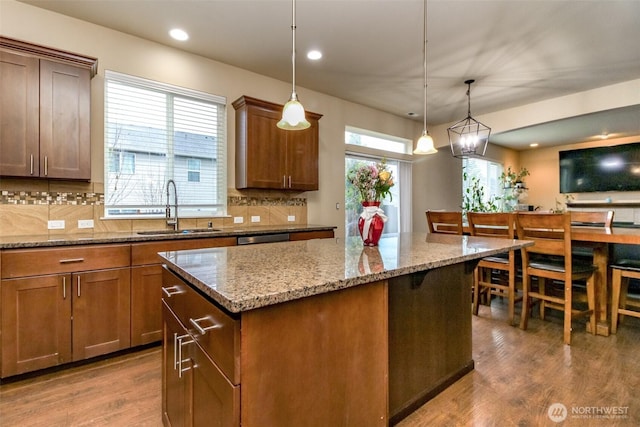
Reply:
x=36, y=323
x=194, y=390
x=176, y=383
x=100, y=312
x=146, y=314
x=56, y=319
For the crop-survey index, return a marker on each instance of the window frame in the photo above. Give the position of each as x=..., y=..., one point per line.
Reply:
x=168, y=167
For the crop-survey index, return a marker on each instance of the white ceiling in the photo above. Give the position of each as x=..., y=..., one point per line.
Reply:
x=518, y=51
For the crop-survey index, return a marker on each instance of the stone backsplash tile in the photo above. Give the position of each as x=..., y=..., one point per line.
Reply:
x=18, y=220
x=26, y=209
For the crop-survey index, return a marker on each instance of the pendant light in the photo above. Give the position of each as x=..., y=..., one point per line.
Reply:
x=425, y=143
x=293, y=117
x=468, y=137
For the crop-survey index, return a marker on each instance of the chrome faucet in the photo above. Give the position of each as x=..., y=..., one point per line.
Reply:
x=172, y=220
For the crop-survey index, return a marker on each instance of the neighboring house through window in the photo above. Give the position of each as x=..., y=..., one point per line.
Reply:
x=155, y=132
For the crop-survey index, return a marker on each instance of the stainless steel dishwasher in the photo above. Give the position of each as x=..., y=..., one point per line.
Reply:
x=263, y=238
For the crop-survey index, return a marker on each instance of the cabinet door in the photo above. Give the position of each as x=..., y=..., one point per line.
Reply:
x=215, y=401
x=65, y=97
x=146, y=297
x=19, y=115
x=36, y=323
x=265, y=150
x=176, y=386
x=101, y=317
x=302, y=158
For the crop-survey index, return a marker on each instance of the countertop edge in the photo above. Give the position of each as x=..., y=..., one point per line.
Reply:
x=42, y=241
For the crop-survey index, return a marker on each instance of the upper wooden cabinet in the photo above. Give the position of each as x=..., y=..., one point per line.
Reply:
x=45, y=97
x=268, y=157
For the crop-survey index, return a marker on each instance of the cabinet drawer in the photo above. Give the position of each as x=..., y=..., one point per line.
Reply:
x=147, y=253
x=33, y=262
x=221, y=337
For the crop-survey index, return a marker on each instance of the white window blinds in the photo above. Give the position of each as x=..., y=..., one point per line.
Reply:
x=155, y=132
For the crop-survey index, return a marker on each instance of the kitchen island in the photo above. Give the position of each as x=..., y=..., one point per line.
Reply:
x=317, y=333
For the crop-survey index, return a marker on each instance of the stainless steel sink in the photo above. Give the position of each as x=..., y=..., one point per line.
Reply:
x=188, y=231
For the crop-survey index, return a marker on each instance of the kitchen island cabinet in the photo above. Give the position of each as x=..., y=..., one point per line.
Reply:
x=333, y=333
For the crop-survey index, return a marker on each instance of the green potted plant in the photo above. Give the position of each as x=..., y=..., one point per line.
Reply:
x=513, y=179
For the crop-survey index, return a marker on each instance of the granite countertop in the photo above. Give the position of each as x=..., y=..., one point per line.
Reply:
x=243, y=278
x=36, y=241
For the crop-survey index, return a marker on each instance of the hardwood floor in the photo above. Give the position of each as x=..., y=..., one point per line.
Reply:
x=121, y=391
x=518, y=376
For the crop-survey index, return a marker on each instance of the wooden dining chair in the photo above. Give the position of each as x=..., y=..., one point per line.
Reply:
x=550, y=258
x=485, y=279
x=622, y=272
x=589, y=219
x=444, y=222
x=592, y=218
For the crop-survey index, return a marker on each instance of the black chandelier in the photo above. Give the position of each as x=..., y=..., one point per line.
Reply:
x=468, y=137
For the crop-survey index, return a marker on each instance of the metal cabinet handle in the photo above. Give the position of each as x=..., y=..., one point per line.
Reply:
x=289, y=181
x=31, y=162
x=175, y=351
x=71, y=260
x=284, y=181
x=78, y=286
x=172, y=290
x=204, y=330
x=181, y=343
x=64, y=287
x=46, y=165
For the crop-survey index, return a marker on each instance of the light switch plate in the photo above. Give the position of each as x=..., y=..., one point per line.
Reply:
x=56, y=224
x=255, y=218
x=238, y=220
x=85, y=223
x=291, y=218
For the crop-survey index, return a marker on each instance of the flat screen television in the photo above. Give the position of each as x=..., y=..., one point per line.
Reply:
x=615, y=168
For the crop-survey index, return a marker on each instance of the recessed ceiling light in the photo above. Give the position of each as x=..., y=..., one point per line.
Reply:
x=535, y=144
x=179, y=34
x=411, y=114
x=314, y=55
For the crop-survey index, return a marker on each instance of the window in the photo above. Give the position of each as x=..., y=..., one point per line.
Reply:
x=481, y=186
x=376, y=147
x=155, y=132
x=123, y=163
x=377, y=141
x=193, y=170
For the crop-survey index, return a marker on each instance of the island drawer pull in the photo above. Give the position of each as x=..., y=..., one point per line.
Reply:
x=180, y=359
x=172, y=290
x=204, y=330
x=71, y=260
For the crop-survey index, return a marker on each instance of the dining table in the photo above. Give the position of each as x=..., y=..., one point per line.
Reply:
x=599, y=239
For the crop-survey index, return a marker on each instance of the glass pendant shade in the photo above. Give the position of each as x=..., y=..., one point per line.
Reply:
x=293, y=116
x=425, y=145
